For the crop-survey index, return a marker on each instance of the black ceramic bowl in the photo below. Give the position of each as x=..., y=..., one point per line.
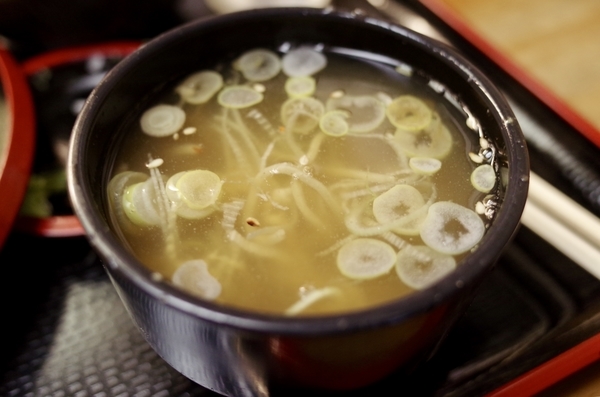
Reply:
x=239, y=353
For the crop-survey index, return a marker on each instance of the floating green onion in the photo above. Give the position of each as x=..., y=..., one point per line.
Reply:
x=420, y=266
x=194, y=277
x=409, y=113
x=365, y=258
x=259, y=64
x=303, y=61
x=483, y=178
x=365, y=113
x=199, y=188
x=238, y=97
x=333, y=123
x=451, y=229
x=162, y=120
x=199, y=87
x=300, y=86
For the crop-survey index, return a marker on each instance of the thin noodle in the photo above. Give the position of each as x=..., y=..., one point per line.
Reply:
x=245, y=133
x=167, y=214
x=314, y=147
x=302, y=206
x=262, y=122
x=251, y=247
x=265, y=156
x=239, y=154
x=338, y=244
x=295, y=172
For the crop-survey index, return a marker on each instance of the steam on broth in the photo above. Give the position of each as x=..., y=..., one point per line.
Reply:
x=302, y=183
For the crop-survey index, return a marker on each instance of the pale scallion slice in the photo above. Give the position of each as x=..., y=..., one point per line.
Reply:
x=300, y=86
x=199, y=189
x=193, y=276
x=116, y=190
x=401, y=205
x=162, y=120
x=365, y=258
x=181, y=207
x=433, y=141
x=451, y=229
x=259, y=64
x=408, y=113
x=303, y=61
x=483, y=178
x=365, y=112
x=200, y=87
x=420, y=266
x=140, y=204
x=239, y=97
x=334, y=123
x=301, y=115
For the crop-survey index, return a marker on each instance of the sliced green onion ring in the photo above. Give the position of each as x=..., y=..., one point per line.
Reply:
x=420, y=266
x=200, y=87
x=365, y=112
x=239, y=97
x=483, y=178
x=408, y=113
x=193, y=276
x=181, y=208
x=401, y=202
x=162, y=120
x=199, y=189
x=303, y=61
x=300, y=86
x=116, y=190
x=365, y=258
x=451, y=229
x=259, y=64
x=140, y=204
x=301, y=115
x=333, y=123
x=434, y=141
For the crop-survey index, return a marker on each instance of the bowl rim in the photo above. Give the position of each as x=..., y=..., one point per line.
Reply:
x=121, y=263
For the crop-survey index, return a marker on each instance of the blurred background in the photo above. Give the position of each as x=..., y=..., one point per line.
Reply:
x=554, y=40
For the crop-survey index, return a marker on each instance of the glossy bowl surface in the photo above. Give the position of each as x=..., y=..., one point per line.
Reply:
x=239, y=353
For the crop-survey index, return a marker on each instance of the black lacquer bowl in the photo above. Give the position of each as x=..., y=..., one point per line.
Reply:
x=239, y=353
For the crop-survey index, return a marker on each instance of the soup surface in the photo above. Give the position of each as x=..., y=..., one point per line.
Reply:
x=303, y=182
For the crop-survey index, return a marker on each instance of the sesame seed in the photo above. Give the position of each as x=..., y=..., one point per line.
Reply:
x=189, y=130
x=155, y=163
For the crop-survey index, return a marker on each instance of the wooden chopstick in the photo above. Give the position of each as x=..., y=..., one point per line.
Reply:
x=563, y=223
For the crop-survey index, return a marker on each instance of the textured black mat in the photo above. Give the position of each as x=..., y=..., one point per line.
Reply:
x=67, y=333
